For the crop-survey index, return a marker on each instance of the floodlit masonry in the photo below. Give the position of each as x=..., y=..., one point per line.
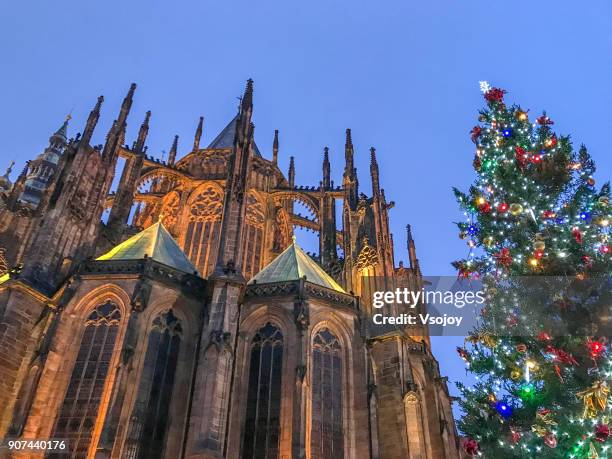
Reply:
x=189, y=323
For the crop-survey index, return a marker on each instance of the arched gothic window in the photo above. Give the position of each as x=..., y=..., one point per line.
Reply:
x=262, y=423
x=253, y=236
x=326, y=435
x=149, y=419
x=204, y=224
x=78, y=413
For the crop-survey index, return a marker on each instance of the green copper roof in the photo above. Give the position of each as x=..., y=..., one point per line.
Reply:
x=154, y=242
x=293, y=264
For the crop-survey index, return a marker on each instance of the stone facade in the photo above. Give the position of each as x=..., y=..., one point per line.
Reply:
x=131, y=345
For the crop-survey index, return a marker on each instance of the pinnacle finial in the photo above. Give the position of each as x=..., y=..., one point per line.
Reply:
x=92, y=120
x=275, y=147
x=291, y=177
x=246, y=102
x=9, y=169
x=143, y=132
x=349, y=140
x=326, y=154
x=173, y=150
x=409, y=233
x=126, y=105
x=373, y=156
x=198, y=134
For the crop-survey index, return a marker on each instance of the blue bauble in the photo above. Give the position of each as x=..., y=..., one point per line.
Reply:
x=504, y=410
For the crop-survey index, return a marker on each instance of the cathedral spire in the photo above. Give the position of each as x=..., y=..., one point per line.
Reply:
x=198, y=134
x=173, y=150
x=142, y=134
x=92, y=120
x=275, y=147
x=291, y=175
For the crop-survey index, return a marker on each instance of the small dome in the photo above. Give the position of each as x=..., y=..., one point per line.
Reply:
x=5, y=182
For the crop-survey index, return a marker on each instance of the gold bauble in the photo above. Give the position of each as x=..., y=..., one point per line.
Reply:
x=463, y=235
x=604, y=201
x=591, y=181
x=516, y=209
x=603, y=221
x=539, y=245
x=515, y=375
x=488, y=241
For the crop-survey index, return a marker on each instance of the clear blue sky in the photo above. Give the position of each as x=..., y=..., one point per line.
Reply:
x=402, y=74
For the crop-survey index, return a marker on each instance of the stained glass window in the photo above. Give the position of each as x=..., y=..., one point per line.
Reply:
x=253, y=237
x=202, y=237
x=149, y=419
x=79, y=410
x=262, y=424
x=326, y=436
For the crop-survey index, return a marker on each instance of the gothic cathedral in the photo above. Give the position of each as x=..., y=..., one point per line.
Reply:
x=177, y=317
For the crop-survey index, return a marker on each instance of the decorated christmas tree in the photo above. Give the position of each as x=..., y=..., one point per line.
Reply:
x=538, y=232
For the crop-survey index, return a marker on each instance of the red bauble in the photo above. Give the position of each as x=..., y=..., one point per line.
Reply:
x=495, y=95
x=515, y=436
x=596, y=347
x=538, y=254
x=605, y=249
x=552, y=142
x=470, y=446
x=548, y=214
x=475, y=133
x=602, y=432
x=502, y=208
x=550, y=440
x=536, y=159
x=485, y=208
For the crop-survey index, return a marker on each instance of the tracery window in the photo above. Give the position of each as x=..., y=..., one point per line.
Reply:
x=262, y=423
x=79, y=410
x=204, y=223
x=3, y=262
x=149, y=419
x=170, y=211
x=253, y=237
x=326, y=435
